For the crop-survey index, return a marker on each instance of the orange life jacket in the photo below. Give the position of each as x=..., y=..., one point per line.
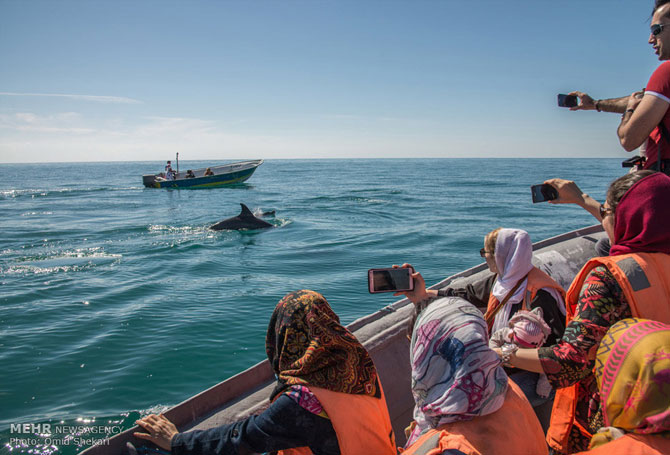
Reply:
x=512, y=429
x=645, y=281
x=633, y=444
x=361, y=423
x=537, y=279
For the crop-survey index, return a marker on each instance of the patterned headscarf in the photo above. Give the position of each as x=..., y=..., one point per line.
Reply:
x=307, y=345
x=455, y=375
x=633, y=374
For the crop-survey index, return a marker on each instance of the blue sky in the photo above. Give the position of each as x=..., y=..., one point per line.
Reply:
x=142, y=80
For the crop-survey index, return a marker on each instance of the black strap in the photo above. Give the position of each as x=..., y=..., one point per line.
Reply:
x=666, y=136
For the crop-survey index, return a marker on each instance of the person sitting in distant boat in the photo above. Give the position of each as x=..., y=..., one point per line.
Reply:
x=169, y=172
x=632, y=371
x=208, y=171
x=190, y=174
x=464, y=400
x=328, y=397
x=633, y=281
x=515, y=286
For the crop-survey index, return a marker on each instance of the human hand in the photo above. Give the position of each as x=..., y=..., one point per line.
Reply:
x=568, y=192
x=586, y=103
x=419, y=293
x=410, y=429
x=161, y=430
x=634, y=100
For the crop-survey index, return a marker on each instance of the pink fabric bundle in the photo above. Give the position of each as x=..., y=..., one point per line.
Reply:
x=529, y=329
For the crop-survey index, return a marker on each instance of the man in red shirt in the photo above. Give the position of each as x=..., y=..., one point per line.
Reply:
x=646, y=117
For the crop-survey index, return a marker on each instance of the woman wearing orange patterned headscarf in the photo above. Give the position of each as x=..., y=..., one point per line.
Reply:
x=307, y=345
x=328, y=399
x=633, y=374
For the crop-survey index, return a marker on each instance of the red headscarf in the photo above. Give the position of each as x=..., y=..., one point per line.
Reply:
x=642, y=217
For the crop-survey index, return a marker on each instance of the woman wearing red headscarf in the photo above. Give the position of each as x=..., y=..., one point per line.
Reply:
x=634, y=281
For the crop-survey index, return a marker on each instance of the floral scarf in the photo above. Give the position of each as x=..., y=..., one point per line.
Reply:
x=633, y=373
x=455, y=376
x=307, y=345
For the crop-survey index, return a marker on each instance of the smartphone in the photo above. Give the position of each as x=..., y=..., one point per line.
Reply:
x=567, y=100
x=543, y=192
x=390, y=280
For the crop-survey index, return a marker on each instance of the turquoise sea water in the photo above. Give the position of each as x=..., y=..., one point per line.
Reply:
x=117, y=300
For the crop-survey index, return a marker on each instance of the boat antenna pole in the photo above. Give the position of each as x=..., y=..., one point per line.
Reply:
x=177, y=164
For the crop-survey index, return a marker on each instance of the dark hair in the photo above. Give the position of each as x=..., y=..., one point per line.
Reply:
x=658, y=4
x=620, y=186
x=416, y=311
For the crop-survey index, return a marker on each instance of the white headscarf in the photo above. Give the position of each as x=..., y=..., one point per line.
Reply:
x=513, y=255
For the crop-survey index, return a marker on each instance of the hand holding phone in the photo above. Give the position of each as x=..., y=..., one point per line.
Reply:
x=390, y=280
x=543, y=192
x=567, y=100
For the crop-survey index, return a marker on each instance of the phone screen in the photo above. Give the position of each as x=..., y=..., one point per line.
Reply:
x=567, y=100
x=543, y=192
x=390, y=280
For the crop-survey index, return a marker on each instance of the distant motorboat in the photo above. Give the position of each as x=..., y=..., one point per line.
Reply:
x=225, y=174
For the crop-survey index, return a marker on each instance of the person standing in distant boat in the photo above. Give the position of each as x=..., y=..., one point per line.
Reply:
x=169, y=172
x=645, y=120
x=208, y=171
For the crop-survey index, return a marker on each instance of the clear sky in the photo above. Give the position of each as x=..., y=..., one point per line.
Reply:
x=141, y=80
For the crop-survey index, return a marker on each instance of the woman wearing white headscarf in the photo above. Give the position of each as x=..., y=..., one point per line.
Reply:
x=519, y=284
x=464, y=403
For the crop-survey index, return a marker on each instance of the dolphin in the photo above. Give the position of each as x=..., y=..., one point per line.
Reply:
x=245, y=220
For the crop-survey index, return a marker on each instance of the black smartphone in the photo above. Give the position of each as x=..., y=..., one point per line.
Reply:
x=543, y=192
x=390, y=280
x=567, y=100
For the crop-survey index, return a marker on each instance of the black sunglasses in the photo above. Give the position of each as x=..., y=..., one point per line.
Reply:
x=604, y=212
x=656, y=29
x=483, y=252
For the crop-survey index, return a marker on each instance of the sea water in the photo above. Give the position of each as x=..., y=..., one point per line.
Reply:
x=117, y=300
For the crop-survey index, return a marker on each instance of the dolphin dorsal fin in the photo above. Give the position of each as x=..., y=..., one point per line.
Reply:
x=245, y=211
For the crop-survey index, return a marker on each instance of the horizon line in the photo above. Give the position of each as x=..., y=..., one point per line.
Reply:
x=320, y=158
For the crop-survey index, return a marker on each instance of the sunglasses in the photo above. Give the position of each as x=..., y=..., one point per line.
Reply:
x=483, y=252
x=604, y=212
x=656, y=29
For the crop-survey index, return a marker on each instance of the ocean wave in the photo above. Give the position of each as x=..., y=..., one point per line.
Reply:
x=62, y=261
x=36, y=213
x=62, y=192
